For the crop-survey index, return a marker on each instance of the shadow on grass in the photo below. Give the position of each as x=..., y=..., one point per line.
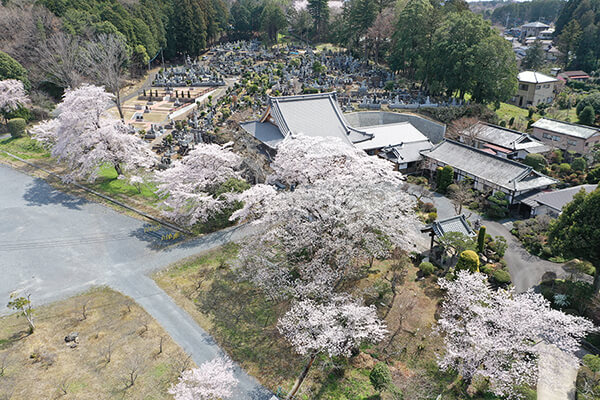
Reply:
x=7, y=343
x=244, y=324
x=40, y=193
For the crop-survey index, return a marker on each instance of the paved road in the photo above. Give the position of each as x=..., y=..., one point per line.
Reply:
x=54, y=245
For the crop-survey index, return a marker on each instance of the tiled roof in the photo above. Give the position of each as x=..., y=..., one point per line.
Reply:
x=559, y=198
x=457, y=223
x=506, y=173
x=566, y=128
x=390, y=135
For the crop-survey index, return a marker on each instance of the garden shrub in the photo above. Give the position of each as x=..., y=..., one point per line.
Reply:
x=445, y=178
x=432, y=216
x=497, y=205
x=579, y=164
x=501, y=276
x=427, y=268
x=564, y=168
x=481, y=239
x=487, y=269
x=532, y=233
x=428, y=207
x=16, y=127
x=468, y=260
x=380, y=377
x=498, y=246
x=536, y=161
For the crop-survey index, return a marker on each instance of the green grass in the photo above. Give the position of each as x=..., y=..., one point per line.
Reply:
x=109, y=184
x=23, y=147
x=508, y=111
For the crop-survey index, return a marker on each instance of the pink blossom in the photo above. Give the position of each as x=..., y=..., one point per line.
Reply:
x=213, y=380
x=12, y=95
x=493, y=334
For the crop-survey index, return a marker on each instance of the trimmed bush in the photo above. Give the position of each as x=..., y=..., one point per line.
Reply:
x=428, y=207
x=468, y=260
x=487, y=269
x=16, y=127
x=537, y=161
x=481, y=239
x=427, y=268
x=432, y=216
x=501, y=276
x=380, y=377
x=564, y=168
x=579, y=164
x=445, y=178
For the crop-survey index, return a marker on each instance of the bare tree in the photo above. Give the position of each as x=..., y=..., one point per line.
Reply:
x=63, y=387
x=84, y=310
x=466, y=130
x=134, y=366
x=460, y=194
x=181, y=362
x=6, y=359
x=160, y=343
x=62, y=61
x=106, y=352
x=107, y=59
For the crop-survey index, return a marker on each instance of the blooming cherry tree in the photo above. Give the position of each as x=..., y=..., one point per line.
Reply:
x=316, y=236
x=190, y=185
x=305, y=160
x=12, y=95
x=494, y=334
x=213, y=380
x=335, y=328
x=86, y=139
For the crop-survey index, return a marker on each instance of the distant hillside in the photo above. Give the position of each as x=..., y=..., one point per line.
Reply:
x=518, y=13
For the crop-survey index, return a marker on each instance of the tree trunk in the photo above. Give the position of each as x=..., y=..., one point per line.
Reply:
x=118, y=101
x=118, y=169
x=301, y=377
x=597, y=280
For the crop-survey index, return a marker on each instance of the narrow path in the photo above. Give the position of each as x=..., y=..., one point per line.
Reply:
x=184, y=330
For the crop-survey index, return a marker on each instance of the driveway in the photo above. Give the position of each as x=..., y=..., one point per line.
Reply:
x=54, y=245
x=526, y=270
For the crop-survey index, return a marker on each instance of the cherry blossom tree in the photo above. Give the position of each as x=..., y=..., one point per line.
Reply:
x=494, y=334
x=191, y=185
x=85, y=138
x=336, y=328
x=12, y=95
x=318, y=235
x=303, y=159
x=213, y=380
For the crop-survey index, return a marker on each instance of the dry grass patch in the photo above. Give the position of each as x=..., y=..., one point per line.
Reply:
x=118, y=354
x=243, y=321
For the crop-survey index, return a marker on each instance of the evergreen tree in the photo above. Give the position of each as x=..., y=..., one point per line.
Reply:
x=534, y=56
x=568, y=40
x=319, y=11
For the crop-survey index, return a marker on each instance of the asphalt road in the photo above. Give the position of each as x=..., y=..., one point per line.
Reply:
x=53, y=245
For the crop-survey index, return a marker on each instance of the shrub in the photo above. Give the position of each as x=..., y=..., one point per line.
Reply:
x=564, y=168
x=501, y=276
x=579, y=164
x=530, y=112
x=587, y=116
x=432, y=216
x=537, y=161
x=468, y=260
x=445, y=178
x=487, y=269
x=593, y=176
x=498, y=246
x=427, y=268
x=452, y=188
x=428, y=207
x=497, y=205
x=16, y=127
x=380, y=377
x=481, y=239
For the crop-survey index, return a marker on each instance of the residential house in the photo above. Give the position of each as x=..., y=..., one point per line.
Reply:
x=534, y=29
x=573, y=76
x=534, y=89
x=566, y=135
x=552, y=203
x=488, y=172
x=502, y=142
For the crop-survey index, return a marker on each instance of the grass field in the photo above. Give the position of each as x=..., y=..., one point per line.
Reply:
x=23, y=147
x=243, y=322
x=43, y=366
x=109, y=184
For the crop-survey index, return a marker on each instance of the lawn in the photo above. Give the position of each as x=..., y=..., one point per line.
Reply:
x=243, y=321
x=43, y=366
x=508, y=111
x=109, y=183
x=23, y=147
